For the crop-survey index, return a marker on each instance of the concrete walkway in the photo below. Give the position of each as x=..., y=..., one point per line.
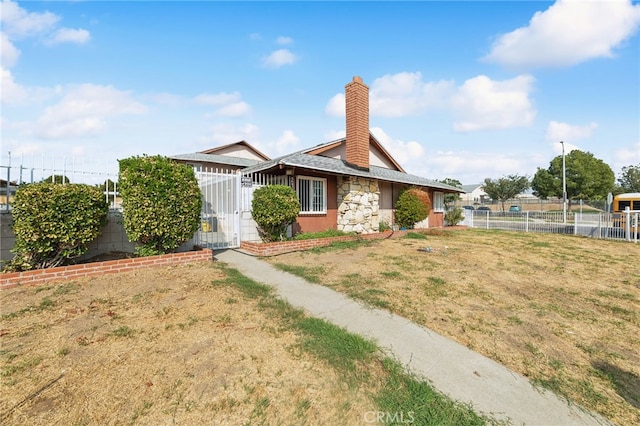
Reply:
x=453, y=369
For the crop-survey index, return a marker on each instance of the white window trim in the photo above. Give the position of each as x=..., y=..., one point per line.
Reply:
x=438, y=202
x=324, y=193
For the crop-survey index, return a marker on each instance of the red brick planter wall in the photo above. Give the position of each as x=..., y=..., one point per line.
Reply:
x=40, y=276
x=271, y=249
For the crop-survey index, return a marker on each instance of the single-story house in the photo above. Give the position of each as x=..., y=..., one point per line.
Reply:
x=474, y=194
x=349, y=184
x=235, y=156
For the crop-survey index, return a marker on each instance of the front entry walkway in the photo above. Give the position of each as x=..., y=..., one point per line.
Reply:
x=453, y=369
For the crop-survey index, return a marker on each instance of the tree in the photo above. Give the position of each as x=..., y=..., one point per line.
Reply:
x=273, y=208
x=506, y=187
x=107, y=185
x=451, y=198
x=57, y=179
x=161, y=202
x=587, y=178
x=629, y=180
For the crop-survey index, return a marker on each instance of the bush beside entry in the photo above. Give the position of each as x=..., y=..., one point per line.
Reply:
x=161, y=203
x=273, y=208
x=53, y=223
x=413, y=206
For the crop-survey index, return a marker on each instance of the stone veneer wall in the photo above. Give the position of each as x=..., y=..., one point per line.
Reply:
x=358, y=205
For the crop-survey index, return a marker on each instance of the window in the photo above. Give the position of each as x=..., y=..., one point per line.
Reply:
x=312, y=194
x=438, y=201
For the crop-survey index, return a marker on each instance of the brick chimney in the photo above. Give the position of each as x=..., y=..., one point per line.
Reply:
x=357, y=108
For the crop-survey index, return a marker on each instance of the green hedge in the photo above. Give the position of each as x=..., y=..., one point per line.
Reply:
x=161, y=203
x=273, y=208
x=412, y=207
x=53, y=223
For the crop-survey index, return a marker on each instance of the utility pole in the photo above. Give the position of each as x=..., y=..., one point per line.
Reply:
x=564, y=187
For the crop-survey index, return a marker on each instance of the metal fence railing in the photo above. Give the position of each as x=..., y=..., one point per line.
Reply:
x=17, y=171
x=614, y=226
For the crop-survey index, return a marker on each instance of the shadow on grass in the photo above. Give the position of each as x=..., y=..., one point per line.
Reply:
x=626, y=383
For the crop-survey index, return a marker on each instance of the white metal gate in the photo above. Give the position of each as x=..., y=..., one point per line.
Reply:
x=220, y=217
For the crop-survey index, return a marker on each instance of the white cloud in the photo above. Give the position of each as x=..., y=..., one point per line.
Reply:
x=483, y=104
x=167, y=99
x=224, y=133
x=567, y=33
x=405, y=94
x=18, y=23
x=9, y=54
x=473, y=167
x=229, y=104
x=406, y=153
x=279, y=58
x=557, y=131
x=69, y=35
x=16, y=94
x=628, y=156
x=217, y=98
x=284, y=40
x=236, y=109
x=83, y=112
x=479, y=104
x=399, y=95
x=335, y=107
x=335, y=135
x=12, y=93
x=286, y=143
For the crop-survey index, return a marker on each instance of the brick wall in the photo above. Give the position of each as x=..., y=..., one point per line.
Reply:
x=41, y=276
x=272, y=249
x=357, y=123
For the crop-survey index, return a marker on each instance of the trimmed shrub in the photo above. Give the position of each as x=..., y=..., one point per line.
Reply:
x=53, y=223
x=453, y=217
x=273, y=208
x=412, y=207
x=161, y=203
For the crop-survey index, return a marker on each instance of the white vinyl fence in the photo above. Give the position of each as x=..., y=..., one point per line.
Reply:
x=613, y=226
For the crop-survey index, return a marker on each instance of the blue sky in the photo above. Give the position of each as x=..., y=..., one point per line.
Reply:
x=464, y=90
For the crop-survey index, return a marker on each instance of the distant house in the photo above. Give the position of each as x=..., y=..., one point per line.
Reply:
x=474, y=194
x=349, y=184
x=235, y=156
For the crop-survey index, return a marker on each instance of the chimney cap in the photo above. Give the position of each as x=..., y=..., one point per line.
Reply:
x=357, y=79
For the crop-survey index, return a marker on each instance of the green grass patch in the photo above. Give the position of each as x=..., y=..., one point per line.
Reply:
x=342, y=245
x=344, y=351
x=322, y=234
x=247, y=286
x=309, y=273
x=65, y=289
x=25, y=364
x=406, y=399
x=123, y=331
x=415, y=236
x=391, y=274
x=351, y=356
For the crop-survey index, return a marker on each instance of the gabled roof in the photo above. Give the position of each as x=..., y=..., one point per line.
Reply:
x=340, y=167
x=470, y=188
x=246, y=144
x=319, y=149
x=198, y=157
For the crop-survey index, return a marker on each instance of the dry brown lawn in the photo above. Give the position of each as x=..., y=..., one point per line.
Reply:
x=159, y=346
x=561, y=310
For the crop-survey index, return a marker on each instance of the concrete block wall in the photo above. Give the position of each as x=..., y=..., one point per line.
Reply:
x=112, y=239
x=7, y=238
